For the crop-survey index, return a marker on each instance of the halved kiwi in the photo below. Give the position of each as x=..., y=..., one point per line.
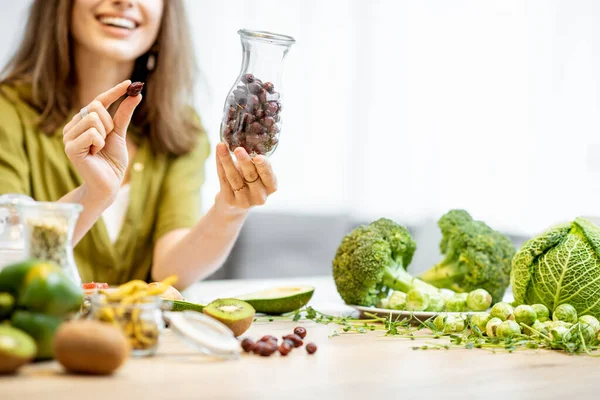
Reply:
x=16, y=349
x=234, y=313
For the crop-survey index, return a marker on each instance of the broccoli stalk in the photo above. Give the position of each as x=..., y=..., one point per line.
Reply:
x=476, y=256
x=371, y=260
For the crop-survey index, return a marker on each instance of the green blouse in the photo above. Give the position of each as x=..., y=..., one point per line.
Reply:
x=165, y=191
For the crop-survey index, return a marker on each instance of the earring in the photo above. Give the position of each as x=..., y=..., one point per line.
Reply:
x=151, y=63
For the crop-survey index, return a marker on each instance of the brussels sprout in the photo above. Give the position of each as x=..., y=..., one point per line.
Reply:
x=439, y=321
x=462, y=296
x=492, y=326
x=456, y=304
x=587, y=331
x=480, y=320
x=502, y=310
x=436, y=302
x=454, y=324
x=447, y=294
x=525, y=314
x=537, y=327
x=508, y=329
x=383, y=303
x=479, y=300
x=591, y=321
x=397, y=300
x=542, y=312
x=417, y=300
x=561, y=333
x=565, y=312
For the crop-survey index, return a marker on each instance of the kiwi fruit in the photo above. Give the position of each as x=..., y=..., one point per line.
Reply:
x=16, y=349
x=236, y=314
x=90, y=347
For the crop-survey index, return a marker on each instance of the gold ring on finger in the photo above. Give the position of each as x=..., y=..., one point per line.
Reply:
x=247, y=181
x=237, y=190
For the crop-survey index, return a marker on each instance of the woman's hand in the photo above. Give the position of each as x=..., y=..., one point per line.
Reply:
x=96, y=143
x=246, y=184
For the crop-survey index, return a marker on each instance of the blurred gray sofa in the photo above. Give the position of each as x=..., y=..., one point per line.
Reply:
x=280, y=245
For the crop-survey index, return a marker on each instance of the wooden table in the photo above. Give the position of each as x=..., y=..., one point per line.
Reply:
x=344, y=367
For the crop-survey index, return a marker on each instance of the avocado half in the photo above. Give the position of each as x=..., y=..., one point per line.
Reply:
x=279, y=300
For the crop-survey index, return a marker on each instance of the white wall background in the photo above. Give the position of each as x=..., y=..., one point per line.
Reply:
x=409, y=108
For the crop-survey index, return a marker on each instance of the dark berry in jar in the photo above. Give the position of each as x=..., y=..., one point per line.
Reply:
x=274, y=141
x=285, y=348
x=252, y=102
x=255, y=88
x=253, y=140
x=227, y=132
x=300, y=331
x=271, y=109
x=239, y=93
x=248, y=78
x=242, y=102
x=269, y=87
x=135, y=88
x=311, y=348
x=262, y=96
x=257, y=129
x=248, y=345
x=231, y=113
x=260, y=113
x=260, y=148
x=268, y=121
x=297, y=340
x=273, y=130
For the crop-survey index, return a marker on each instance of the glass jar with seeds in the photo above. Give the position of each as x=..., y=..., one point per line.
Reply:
x=49, y=231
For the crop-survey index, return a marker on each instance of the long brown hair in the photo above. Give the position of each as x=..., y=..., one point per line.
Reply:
x=45, y=61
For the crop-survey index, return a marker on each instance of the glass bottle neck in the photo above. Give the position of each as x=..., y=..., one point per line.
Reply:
x=263, y=60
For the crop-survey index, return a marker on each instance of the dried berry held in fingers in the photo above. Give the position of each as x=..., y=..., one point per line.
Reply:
x=248, y=345
x=135, y=89
x=300, y=331
x=311, y=348
x=297, y=340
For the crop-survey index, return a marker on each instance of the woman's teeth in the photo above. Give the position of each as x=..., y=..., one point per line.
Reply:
x=118, y=22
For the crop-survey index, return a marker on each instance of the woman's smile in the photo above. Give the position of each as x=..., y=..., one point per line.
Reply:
x=117, y=25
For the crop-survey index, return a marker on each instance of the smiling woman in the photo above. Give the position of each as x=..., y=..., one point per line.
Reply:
x=68, y=133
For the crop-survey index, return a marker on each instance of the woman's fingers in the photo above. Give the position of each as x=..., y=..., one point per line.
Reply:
x=113, y=94
x=246, y=164
x=79, y=148
x=265, y=171
x=231, y=172
x=92, y=120
x=124, y=114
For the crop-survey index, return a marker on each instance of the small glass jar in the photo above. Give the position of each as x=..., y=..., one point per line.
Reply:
x=252, y=115
x=141, y=322
x=12, y=232
x=49, y=230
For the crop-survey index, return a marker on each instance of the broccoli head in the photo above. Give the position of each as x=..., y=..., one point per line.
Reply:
x=476, y=256
x=371, y=260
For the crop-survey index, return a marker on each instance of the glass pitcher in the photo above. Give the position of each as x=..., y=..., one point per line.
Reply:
x=49, y=231
x=252, y=115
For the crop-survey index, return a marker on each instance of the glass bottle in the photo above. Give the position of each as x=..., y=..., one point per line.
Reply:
x=252, y=115
x=12, y=234
x=49, y=231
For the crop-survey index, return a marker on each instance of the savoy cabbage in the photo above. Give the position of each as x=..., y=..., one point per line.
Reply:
x=561, y=265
